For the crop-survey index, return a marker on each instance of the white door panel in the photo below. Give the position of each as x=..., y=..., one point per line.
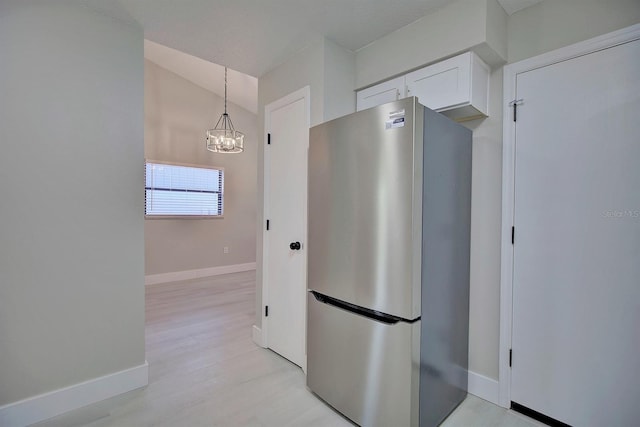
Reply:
x=285, y=208
x=384, y=92
x=576, y=273
x=444, y=84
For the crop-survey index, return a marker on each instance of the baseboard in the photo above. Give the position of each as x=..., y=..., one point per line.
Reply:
x=257, y=336
x=44, y=406
x=484, y=387
x=175, y=276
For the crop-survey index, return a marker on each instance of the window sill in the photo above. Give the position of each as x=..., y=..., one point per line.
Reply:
x=183, y=217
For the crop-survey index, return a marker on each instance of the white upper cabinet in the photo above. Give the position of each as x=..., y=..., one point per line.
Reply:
x=458, y=87
x=388, y=91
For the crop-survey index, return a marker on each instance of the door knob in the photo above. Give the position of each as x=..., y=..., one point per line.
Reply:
x=295, y=246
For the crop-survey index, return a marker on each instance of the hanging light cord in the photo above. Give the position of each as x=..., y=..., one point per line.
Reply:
x=225, y=90
x=227, y=124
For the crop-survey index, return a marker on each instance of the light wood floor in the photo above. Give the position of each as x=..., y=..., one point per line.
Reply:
x=206, y=371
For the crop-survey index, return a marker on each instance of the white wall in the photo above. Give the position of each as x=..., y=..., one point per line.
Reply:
x=305, y=68
x=486, y=196
x=496, y=30
x=556, y=23
x=71, y=251
x=329, y=71
x=177, y=114
x=460, y=26
x=456, y=27
x=339, y=81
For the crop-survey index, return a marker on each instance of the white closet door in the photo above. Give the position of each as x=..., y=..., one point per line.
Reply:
x=576, y=283
x=285, y=267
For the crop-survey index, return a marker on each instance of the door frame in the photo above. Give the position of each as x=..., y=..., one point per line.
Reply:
x=511, y=72
x=304, y=94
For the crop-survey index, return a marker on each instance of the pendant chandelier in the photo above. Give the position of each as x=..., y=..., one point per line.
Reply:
x=223, y=138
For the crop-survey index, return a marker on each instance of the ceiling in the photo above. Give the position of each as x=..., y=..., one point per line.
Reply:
x=242, y=89
x=512, y=6
x=254, y=36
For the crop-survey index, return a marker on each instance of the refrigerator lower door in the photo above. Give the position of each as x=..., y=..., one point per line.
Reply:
x=366, y=369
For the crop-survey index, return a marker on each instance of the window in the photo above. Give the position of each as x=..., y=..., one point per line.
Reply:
x=187, y=191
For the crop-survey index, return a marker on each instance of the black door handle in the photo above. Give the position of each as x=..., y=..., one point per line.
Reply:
x=295, y=246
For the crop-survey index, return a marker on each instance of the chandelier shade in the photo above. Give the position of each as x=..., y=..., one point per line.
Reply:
x=223, y=138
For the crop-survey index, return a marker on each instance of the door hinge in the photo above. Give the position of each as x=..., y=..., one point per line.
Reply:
x=266, y=314
x=510, y=356
x=268, y=139
x=267, y=225
x=515, y=104
x=513, y=235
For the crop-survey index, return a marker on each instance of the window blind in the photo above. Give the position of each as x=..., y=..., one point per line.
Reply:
x=175, y=190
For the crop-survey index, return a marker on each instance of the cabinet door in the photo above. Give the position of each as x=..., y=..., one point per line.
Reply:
x=388, y=91
x=442, y=85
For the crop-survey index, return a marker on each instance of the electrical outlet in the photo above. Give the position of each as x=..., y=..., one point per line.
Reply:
x=225, y=249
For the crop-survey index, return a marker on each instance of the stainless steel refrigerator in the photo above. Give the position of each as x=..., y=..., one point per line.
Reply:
x=388, y=264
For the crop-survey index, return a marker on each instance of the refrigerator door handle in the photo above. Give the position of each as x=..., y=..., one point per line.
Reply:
x=366, y=312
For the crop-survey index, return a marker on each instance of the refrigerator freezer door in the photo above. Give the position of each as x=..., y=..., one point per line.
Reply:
x=367, y=370
x=365, y=200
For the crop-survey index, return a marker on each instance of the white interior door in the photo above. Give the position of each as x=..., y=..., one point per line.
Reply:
x=576, y=270
x=287, y=124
